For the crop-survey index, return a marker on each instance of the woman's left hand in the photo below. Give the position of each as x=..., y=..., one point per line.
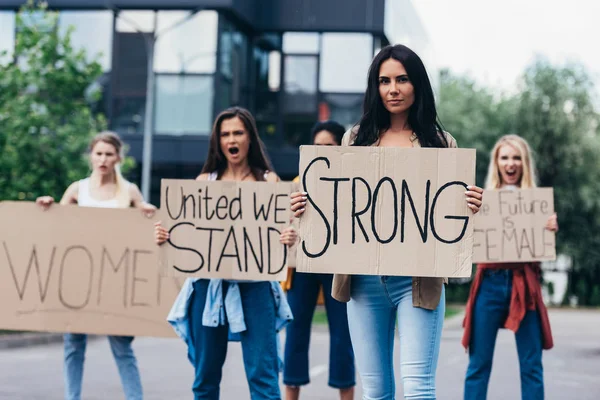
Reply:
x=288, y=236
x=148, y=209
x=552, y=223
x=474, y=198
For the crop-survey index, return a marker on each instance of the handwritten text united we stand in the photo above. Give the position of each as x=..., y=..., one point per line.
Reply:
x=226, y=229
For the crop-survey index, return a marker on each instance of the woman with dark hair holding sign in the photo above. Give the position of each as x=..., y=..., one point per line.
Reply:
x=508, y=295
x=398, y=111
x=207, y=311
x=105, y=188
x=303, y=289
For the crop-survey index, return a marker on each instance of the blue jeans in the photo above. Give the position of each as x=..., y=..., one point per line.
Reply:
x=302, y=298
x=489, y=313
x=259, y=343
x=376, y=302
x=75, y=345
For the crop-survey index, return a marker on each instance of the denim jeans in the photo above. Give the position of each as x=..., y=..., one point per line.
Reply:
x=302, y=298
x=376, y=302
x=259, y=343
x=75, y=345
x=490, y=312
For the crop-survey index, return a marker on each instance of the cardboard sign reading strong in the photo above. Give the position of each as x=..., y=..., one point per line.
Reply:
x=80, y=269
x=226, y=230
x=511, y=226
x=386, y=211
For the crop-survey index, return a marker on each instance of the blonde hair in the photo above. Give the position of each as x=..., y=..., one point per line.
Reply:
x=122, y=195
x=528, y=178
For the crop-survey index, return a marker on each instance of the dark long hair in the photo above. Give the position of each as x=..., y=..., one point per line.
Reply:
x=422, y=115
x=336, y=129
x=257, y=156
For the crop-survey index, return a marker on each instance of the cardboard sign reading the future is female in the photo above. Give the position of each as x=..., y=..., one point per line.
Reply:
x=386, y=211
x=511, y=226
x=83, y=270
x=226, y=230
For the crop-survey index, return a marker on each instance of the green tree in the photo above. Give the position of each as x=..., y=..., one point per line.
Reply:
x=45, y=116
x=554, y=110
x=474, y=115
x=556, y=115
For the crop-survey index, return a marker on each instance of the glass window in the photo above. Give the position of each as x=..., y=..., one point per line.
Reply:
x=233, y=65
x=184, y=104
x=233, y=60
x=128, y=82
x=135, y=21
x=301, y=43
x=300, y=99
x=264, y=100
x=93, y=32
x=345, y=109
x=7, y=36
x=377, y=45
x=345, y=60
x=300, y=74
x=300, y=84
x=128, y=114
x=260, y=69
x=274, y=70
x=186, y=43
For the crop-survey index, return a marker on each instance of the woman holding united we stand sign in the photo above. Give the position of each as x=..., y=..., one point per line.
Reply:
x=398, y=111
x=508, y=294
x=105, y=188
x=208, y=310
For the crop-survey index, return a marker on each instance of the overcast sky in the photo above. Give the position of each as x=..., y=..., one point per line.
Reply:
x=494, y=40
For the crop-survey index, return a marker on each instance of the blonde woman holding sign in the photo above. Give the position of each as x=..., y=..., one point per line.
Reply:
x=105, y=188
x=398, y=111
x=208, y=312
x=508, y=295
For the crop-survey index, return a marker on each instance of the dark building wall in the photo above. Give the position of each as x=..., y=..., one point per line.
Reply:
x=262, y=15
x=126, y=4
x=320, y=15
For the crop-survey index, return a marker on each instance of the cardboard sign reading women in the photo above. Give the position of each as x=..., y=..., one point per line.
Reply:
x=227, y=230
x=511, y=226
x=82, y=269
x=386, y=211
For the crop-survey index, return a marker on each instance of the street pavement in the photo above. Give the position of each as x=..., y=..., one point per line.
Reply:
x=571, y=368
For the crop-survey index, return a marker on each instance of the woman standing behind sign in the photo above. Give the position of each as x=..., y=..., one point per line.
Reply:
x=508, y=295
x=105, y=188
x=398, y=111
x=303, y=290
x=208, y=310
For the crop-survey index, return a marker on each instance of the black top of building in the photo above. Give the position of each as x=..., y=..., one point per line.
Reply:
x=259, y=15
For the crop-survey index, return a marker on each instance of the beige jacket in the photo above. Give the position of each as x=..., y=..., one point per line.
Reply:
x=426, y=292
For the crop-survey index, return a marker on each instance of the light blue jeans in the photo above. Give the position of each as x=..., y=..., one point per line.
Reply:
x=376, y=302
x=75, y=345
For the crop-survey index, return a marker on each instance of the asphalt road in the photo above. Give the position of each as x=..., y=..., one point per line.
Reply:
x=571, y=368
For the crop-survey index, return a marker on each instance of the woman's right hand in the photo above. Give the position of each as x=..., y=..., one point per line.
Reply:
x=160, y=233
x=298, y=201
x=44, y=201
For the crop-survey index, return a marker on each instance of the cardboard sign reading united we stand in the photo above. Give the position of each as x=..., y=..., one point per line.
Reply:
x=80, y=269
x=386, y=211
x=226, y=230
x=511, y=226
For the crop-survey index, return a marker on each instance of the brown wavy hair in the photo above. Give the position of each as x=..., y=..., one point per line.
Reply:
x=258, y=161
